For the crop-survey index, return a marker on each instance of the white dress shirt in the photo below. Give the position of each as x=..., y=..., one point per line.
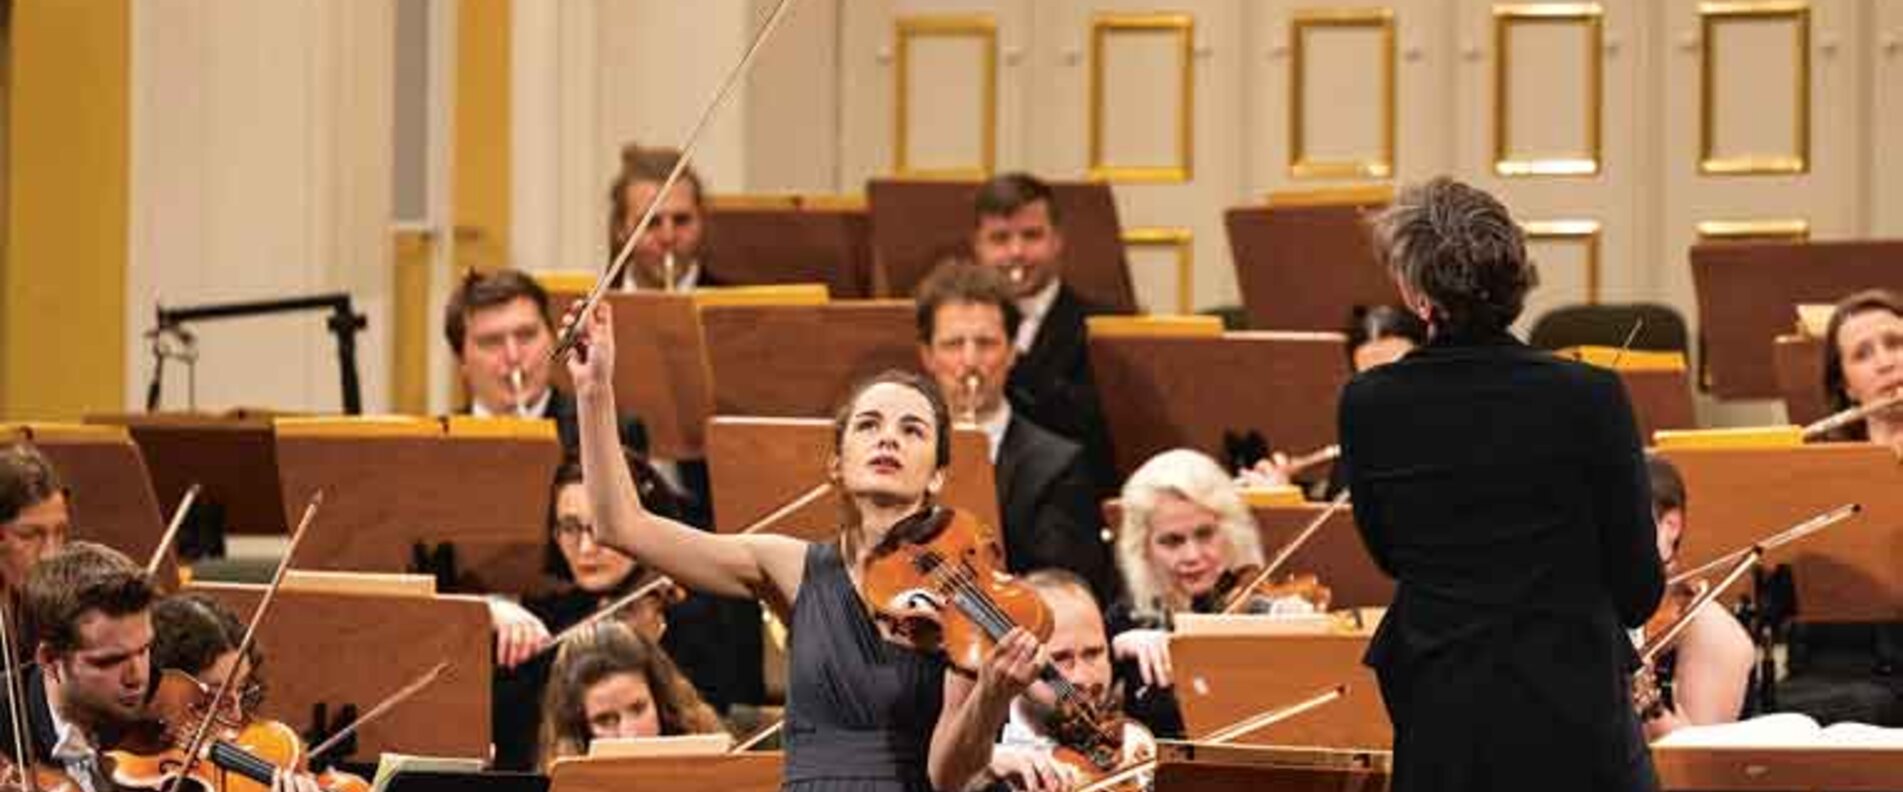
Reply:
x=1033, y=309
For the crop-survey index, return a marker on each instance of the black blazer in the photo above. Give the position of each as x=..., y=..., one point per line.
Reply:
x=1049, y=507
x=39, y=719
x=1506, y=490
x=1050, y=384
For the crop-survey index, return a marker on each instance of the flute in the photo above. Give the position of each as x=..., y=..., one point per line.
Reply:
x=1847, y=417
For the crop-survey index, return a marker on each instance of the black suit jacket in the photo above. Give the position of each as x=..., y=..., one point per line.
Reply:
x=1506, y=490
x=39, y=718
x=1049, y=507
x=1050, y=384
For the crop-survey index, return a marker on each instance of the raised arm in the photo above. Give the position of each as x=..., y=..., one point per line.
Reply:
x=730, y=566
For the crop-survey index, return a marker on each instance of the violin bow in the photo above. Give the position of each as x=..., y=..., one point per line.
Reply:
x=16, y=696
x=1665, y=638
x=388, y=703
x=1225, y=734
x=758, y=737
x=566, y=342
x=1282, y=556
x=171, y=531
x=200, y=734
x=660, y=581
x=1759, y=548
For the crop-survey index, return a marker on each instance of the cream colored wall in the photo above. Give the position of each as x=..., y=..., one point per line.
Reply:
x=260, y=168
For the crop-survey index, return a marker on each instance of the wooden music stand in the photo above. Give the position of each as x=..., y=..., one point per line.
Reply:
x=1335, y=553
x=1808, y=768
x=389, y=487
x=336, y=649
x=758, y=465
x=1850, y=572
x=111, y=492
x=1799, y=364
x=794, y=243
x=1247, y=768
x=1221, y=679
x=1748, y=293
x=746, y=772
x=1306, y=267
x=1163, y=392
x=797, y=361
x=233, y=456
x=914, y=223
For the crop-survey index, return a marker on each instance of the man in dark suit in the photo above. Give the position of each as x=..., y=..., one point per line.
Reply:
x=675, y=245
x=966, y=316
x=501, y=329
x=1019, y=232
x=90, y=611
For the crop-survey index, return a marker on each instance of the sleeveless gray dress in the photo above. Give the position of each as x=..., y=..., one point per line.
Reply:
x=860, y=709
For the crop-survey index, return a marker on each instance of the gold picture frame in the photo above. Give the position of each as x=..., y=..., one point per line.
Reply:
x=910, y=29
x=1183, y=26
x=1794, y=228
x=1301, y=165
x=1184, y=242
x=1505, y=18
x=1583, y=231
x=1711, y=15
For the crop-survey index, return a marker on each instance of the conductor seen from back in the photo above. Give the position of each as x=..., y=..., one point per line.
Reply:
x=1506, y=491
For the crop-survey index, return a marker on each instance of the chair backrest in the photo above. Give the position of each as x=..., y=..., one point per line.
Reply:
x=1608, y=324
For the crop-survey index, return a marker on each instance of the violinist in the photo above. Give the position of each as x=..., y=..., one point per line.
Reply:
x=1712, y=660
x=1863, y=363
x=672, y=255
x=89, y=608
x=1186, y=541
x=966, y=319
x=1080, y=650
x=1505, y=490
x=865, y=709
x=35, y=517
x=592, y=574
x=613, y=681
x=198, y=637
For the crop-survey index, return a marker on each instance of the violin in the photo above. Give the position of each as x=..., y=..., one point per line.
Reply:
x=241, y=756
x=1651, y=690
x=1137, y=745
x=937, y=581
x=1300, y=593
x=44, y=778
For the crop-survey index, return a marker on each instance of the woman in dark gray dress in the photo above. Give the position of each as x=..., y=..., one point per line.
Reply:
x=1504, y=488
x=863, y=711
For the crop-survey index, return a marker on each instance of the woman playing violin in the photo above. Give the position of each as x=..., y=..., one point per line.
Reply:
x=614, y=681
x=864, y=712
x=1186, y=541
x=1711, y=664
x=1863, y=362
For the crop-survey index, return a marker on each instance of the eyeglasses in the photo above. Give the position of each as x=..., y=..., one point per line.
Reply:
x=571, y=529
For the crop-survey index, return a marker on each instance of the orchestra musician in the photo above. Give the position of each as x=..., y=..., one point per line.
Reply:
x=612, y=681
x=1020, y=233
x=1185, y=542
x=35, y=517
x=1505, y=490
x=676, y=243
x=1080, y=649
x=1711, y=662
x=1863, y=362
x=719, y=652
x=1376, y=336
x=90, y=611
x=864, y=712
x=966, y=319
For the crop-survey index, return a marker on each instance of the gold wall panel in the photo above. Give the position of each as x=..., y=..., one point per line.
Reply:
x=1585, y=233
x=911, y=32
x=1104, y=29
x=1377, y=164
x=1180, y=242
x=1510, y=160
x=1714, y=17
x=1778, y=228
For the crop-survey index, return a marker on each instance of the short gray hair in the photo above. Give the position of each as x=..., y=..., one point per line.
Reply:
x=1460, y=248
x=1194, y=477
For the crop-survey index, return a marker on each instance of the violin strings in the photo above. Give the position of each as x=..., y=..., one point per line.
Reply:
x=960, y=579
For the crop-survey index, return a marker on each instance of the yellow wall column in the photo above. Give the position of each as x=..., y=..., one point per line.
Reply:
x=480, y=165
x=63, y=273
